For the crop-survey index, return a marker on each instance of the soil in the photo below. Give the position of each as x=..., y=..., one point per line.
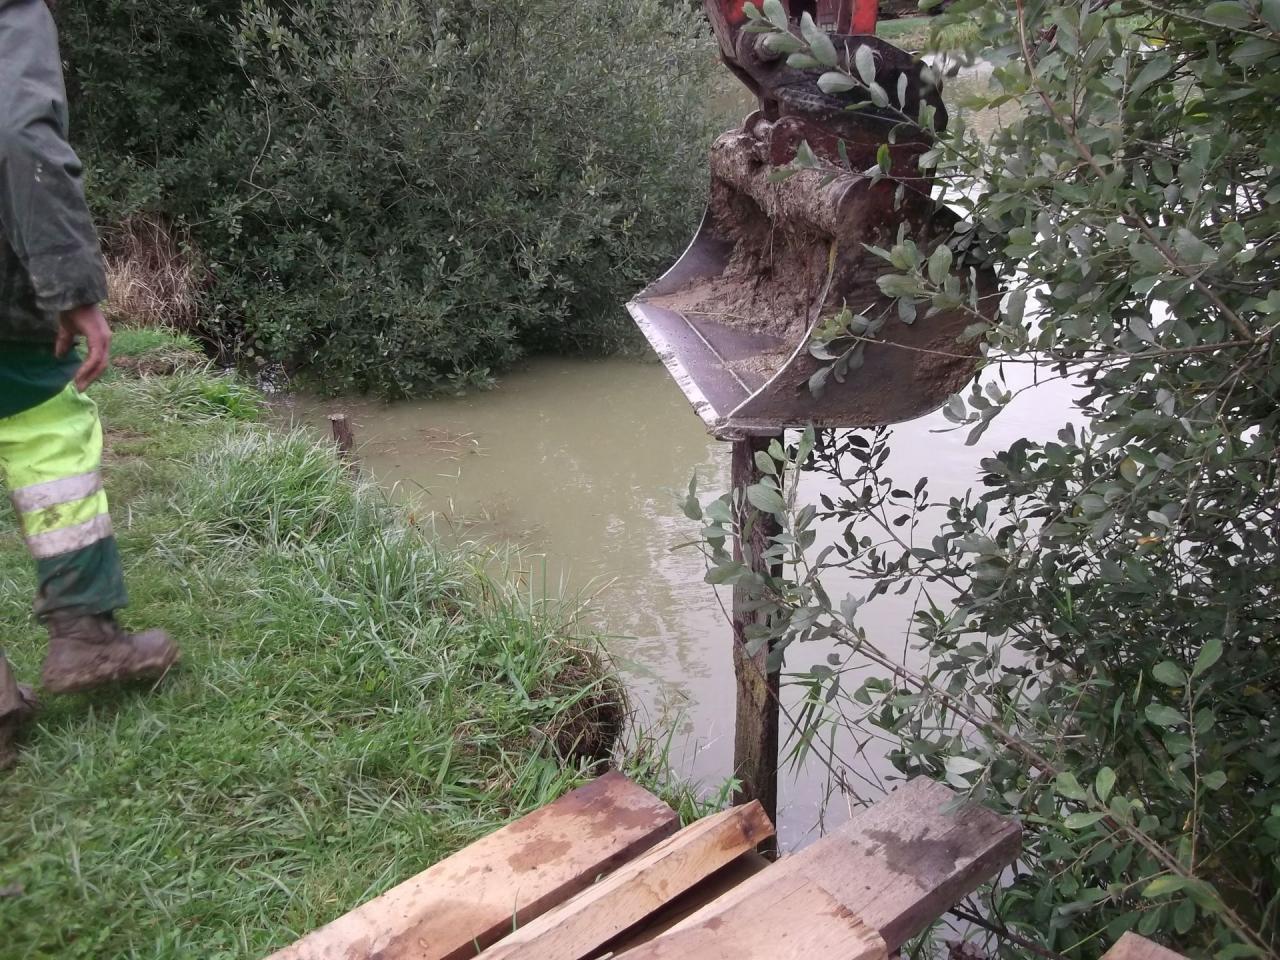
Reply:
x=762, y=365
x=771, y=279
x=780, y=264
x=797, y=255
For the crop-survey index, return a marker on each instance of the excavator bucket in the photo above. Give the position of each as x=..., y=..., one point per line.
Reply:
x=782, y=251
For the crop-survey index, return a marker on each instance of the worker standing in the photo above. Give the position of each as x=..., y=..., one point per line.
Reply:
x=52, y=278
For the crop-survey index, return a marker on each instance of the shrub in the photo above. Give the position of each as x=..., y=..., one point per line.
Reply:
x=408, y=196
x=1092, y=640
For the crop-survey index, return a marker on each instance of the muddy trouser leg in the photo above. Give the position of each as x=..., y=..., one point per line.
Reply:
x=10, y=699
x=50, y=456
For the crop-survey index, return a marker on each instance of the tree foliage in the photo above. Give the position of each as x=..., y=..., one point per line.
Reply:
x=399, y=195
x=1099, y=615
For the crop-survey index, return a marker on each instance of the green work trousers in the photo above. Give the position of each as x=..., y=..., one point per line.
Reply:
x=50, y=460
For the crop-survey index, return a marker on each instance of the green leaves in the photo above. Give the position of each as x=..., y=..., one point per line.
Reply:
x=1105, y=782
x=435, y=285
x=864, y=62
x=960, y=769
x=1163, y=716
x=1102, y=597
x=775, y=13
x=820, y=45
x=725, y=573
x=802, y=61
x=1081, y=821
x=1228, y=13
x=1163, y=886
x=1154, y=69
x=1015, y=305
x=1214, y=780
x=1271, y=14
x=1068, y=786
x=765, y=498
x=690, y=505
x=1209, y=654
x=835, y=82
x=884, y=159
x=783, y=43
x=940, y=263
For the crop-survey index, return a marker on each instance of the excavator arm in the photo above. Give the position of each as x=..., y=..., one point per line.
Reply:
x=784, y=90
x=838, y=16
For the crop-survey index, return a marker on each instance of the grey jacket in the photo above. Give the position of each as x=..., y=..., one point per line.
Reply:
x=50, y=259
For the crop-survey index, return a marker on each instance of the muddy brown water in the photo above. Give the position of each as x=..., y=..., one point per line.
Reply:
x=580, y=463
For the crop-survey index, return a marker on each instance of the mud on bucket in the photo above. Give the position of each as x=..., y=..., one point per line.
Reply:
x=772, y=263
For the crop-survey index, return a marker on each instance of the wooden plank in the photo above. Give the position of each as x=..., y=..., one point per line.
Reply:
x=689, y=902
x=900, y=863
x=469, y=900
x=791, y=919
x=1131, y=946
x=636, y=889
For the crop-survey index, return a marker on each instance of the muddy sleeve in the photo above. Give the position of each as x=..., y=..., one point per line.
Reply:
x=42, y=207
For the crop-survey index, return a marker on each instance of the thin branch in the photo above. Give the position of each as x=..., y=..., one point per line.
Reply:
x=1004, y=933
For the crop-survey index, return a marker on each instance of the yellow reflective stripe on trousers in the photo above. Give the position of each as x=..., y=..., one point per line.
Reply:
x=53, y=492
x=67, y=539
x=63, y=514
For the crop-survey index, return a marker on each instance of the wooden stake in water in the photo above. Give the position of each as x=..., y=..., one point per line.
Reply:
x=755, y=744
x=344, y=438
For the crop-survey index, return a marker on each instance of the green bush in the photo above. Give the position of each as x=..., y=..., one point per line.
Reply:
x=1092, y=642
x=403, y=196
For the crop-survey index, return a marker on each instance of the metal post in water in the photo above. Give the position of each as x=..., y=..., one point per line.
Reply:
x=755, y=741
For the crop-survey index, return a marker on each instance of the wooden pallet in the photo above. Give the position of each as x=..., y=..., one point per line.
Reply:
x=605, y=872
x=1130, y=946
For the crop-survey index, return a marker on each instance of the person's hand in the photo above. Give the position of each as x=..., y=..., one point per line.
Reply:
x=87, y=322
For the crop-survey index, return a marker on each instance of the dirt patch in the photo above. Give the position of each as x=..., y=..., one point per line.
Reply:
x=796, y=252
x=796, y=257
x=772, y=279
x=763, y=365
x=590, y=731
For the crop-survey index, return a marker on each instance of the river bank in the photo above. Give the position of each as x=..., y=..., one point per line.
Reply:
x=355, y=700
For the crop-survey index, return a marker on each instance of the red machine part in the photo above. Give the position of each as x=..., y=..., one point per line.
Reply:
x=837, y=16
x=841, y=16
x=864, y=16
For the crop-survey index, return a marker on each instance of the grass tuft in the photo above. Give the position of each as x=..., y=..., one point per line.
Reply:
x=152, y=280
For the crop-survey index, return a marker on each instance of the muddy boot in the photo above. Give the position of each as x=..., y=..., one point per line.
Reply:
x=87, y=652
x=17, y=704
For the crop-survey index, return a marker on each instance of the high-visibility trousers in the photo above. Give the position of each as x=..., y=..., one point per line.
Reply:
x=50, y=460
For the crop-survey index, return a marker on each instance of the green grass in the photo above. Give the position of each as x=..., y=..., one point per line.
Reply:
x=910, y=33
x=915, y=34
x=355, y=701
x=136, y=341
